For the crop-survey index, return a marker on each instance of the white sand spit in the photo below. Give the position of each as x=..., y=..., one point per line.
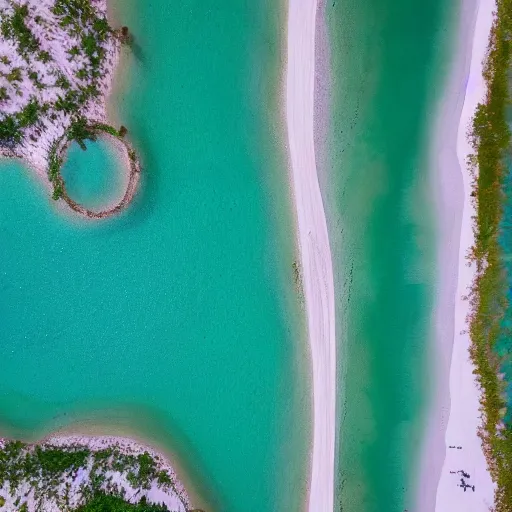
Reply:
x=314, y=247
x=463, y=448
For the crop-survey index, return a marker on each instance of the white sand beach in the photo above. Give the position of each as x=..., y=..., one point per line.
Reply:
x=315, y=254
x=452, y=453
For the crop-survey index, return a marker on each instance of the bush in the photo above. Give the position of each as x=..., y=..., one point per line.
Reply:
x=29, y=115
x=9, y=131
x=102, y=502
x=14, y=27
x=491, y=141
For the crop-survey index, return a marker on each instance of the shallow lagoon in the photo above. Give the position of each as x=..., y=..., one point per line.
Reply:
x=94, y=177
x=387, y=59
x=177, y=320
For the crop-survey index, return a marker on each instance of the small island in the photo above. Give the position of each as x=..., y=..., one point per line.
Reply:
x=57, y=59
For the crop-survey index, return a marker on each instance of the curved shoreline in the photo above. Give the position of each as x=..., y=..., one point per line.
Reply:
x=314, y=246
x=36, y=147
x=454, y=417
x=127, y=444
x=172, y=496
x=133, y=164
x=464, y=420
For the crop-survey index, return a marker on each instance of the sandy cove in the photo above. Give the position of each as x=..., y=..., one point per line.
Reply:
x=313, y=241
x=452, y=449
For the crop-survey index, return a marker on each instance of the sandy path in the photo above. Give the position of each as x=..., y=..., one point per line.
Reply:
x=314, y=247
x=463, y=420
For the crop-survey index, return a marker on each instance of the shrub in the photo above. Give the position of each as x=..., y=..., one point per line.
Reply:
x=9, y=131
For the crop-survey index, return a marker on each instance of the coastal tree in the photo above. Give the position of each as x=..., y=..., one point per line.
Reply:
x=4, y=96
x=10, y=133
x=491, y=140
x=80, y=132
x=29, y=114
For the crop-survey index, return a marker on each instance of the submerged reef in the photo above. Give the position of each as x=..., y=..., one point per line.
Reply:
x=57, y=59
x=87, y=474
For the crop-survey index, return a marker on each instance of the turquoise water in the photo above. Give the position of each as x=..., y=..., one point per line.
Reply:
x=177, y=319
x=94, y=178
x=386, y=58
x=504, y=344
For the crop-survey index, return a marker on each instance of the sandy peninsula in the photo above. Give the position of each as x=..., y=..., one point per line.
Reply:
x=453, y=474
x=115, y=465
x=57, y=63
x=313, y=241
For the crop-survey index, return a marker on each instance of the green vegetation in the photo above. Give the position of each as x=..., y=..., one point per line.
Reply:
x=11, y=126
x=44, y=57
x=89, y=36
x=62, y=82
x=14, y=75
x=54, y=461
x=54, y=165
x=35, y=78
x=79, y=10
x=80, y=21
x=79, y=131
x=49, y=468
x=4, y=96
x=17, y=463
x=109, y=129
x=102, y=502
x=10, y=133
x=14, y=27
x=491, y=140
x=92, y=29
x=29, y=115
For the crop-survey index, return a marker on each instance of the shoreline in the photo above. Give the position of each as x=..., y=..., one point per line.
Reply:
x=128, y=446
x=122, y=74
x=92, y=429
x=454, y=417
x=36, y=152
x=129, y=162
x=85, y=431
x=313, y=241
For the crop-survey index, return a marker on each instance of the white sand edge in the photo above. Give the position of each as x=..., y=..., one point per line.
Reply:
x=315, y=253
x=464, y=417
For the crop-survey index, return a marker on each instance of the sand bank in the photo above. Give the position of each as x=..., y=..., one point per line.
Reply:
x=452, y=445
x=317, y=276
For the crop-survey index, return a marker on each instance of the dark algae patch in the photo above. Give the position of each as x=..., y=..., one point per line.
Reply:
x=491, y=141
